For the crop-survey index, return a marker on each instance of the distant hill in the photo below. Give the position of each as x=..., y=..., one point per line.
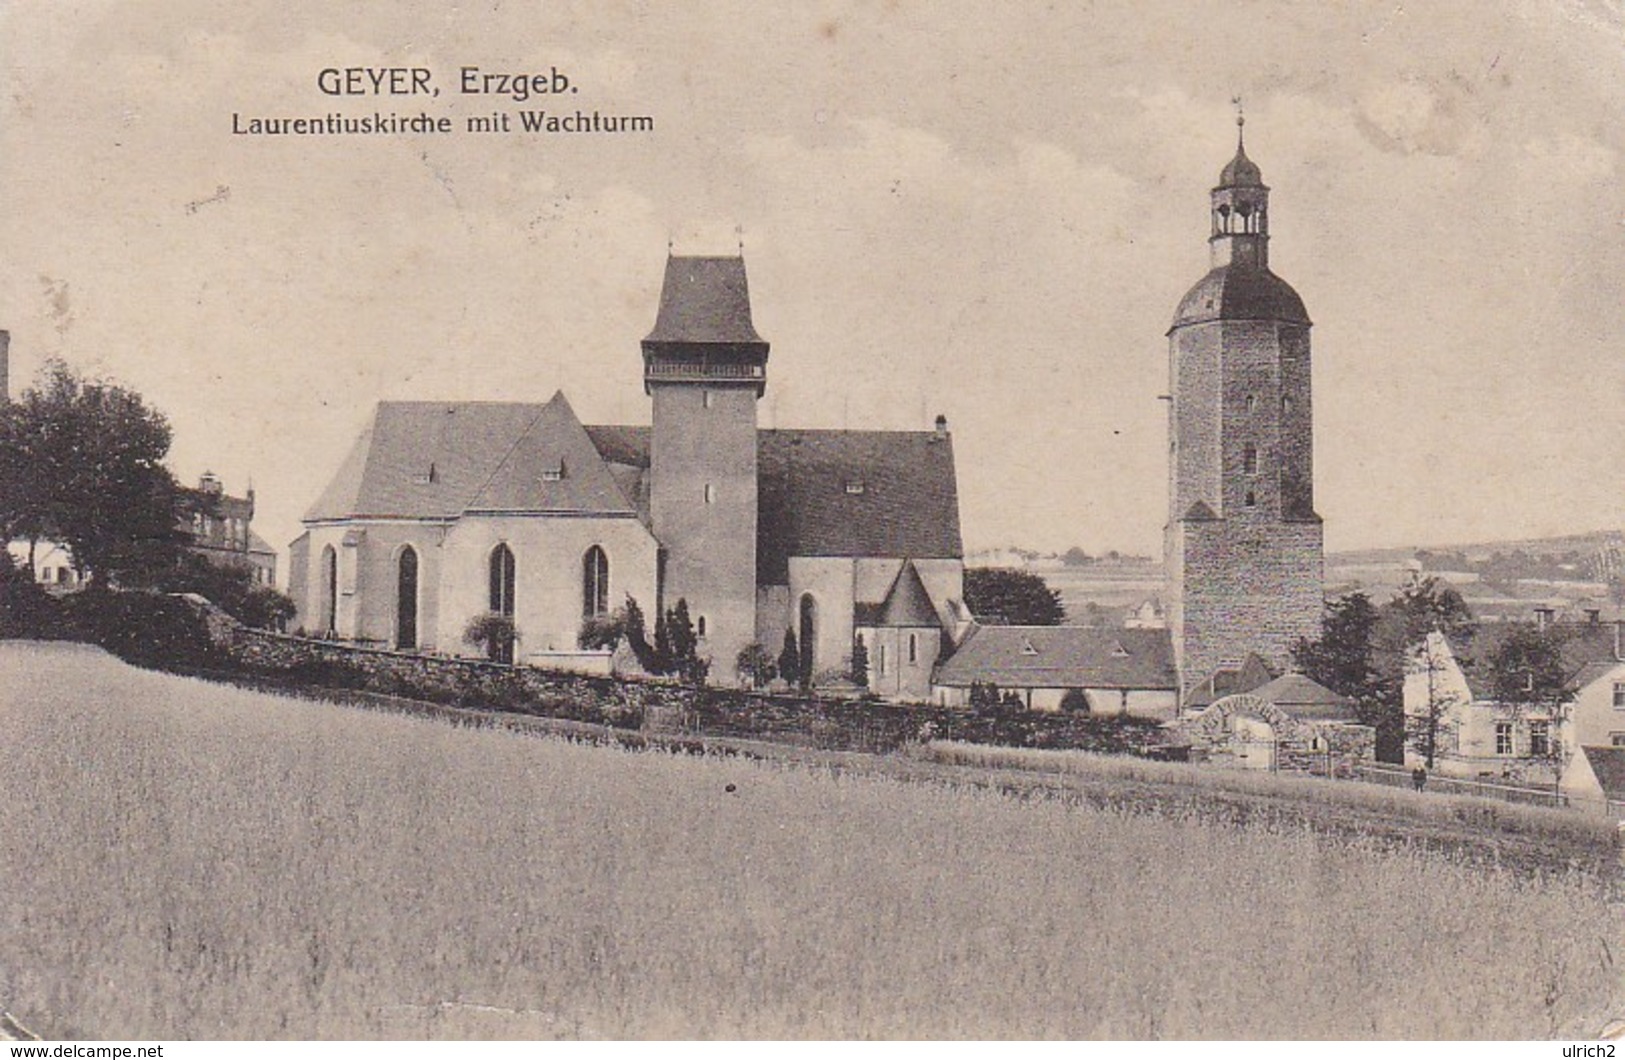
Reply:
x=1595, y=541
x=1571, y=574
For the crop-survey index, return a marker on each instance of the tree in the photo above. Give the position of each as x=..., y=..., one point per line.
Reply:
x=81, y=462
x=1402, y=647
x=230, y=588
x=860, y=662
x=660, y=655
x=1076, y=557
x=1528, y=676
x=1075, y=701
x=637, y=634
x=495, y=633
x=1427, y=729
x=599, y=632
x=1340, y=658
x=985, y=698
x=790, y=658
x=755, y=664
x=26, y=609
x=684, y=645
x=1365, y=652
x=1010, y=597
x=1343, y=659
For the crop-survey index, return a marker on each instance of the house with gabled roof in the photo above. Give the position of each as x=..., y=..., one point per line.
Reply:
x=446, y=511
x=1105, y=671
x=1595, y=780
x=1478, y=736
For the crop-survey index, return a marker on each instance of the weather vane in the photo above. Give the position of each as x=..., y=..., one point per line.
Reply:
x=1241, y=118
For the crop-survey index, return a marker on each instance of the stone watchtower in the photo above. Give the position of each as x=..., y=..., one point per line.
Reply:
x=1243, y=542
x=704, y=368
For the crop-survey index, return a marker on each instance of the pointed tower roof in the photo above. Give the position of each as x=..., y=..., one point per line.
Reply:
x=1241, y=172
x=907, y=603
x=704, y=300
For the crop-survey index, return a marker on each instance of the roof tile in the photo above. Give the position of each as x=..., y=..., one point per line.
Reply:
x=1062, y=657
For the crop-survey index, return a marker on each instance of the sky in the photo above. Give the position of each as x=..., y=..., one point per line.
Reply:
x=985, y=211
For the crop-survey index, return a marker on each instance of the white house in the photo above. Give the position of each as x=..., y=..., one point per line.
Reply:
x=1480, y=737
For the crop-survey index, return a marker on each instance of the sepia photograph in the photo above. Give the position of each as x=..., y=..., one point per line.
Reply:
x=864, y=519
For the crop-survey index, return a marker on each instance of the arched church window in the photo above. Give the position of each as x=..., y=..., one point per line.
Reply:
x=913, y=648
x=502, y=580
x=1251, y=500
x=594, y=583
x=406, y=599
x=1251, y=402
x=1249, y=460
x=330, y=590
x=699, y=626
x=1286, y=404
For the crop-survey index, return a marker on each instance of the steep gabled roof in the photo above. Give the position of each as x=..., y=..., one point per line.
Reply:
x=1583, y=643
x=704, y=300
x=854, y=493
x=433, y=460
x=552, y=466
x=836, y=493
x=1253, y=673
x=1062, y=657
x=907, y=603
x=1608, y=765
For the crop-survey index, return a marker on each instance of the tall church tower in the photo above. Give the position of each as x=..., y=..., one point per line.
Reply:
x=704, y=367
x=1243, y=542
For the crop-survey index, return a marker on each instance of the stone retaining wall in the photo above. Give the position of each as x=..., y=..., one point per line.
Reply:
x=664, y=705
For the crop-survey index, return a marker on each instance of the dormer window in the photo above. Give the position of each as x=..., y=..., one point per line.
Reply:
x=1027, y=646
x=554, y=473
x=854, y=487
x=1118, y=651
x=428, y=477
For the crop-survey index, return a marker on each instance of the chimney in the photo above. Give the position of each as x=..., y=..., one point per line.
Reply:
x=5, y=367
x=942, y=426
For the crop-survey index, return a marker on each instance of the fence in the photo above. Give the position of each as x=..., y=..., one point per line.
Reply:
x=1400, y=777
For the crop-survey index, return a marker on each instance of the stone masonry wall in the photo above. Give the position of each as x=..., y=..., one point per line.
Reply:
x=662, y=705
x=1246, y=587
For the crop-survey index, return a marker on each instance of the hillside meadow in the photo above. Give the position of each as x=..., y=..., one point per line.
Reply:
x=184, y=860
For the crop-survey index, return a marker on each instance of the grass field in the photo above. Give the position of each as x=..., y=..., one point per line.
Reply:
x=185, y=860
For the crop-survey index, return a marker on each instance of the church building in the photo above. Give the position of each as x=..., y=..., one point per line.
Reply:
x=1243, y=542
x=446, y=511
